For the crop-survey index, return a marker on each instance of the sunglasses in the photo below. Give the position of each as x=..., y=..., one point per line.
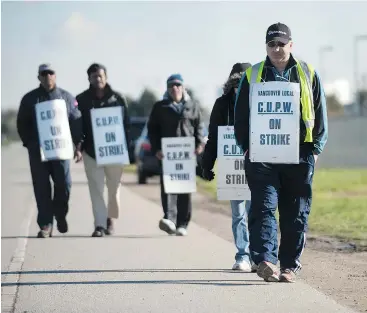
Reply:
x=174, y=84
x=273, y=44
x=45, y=73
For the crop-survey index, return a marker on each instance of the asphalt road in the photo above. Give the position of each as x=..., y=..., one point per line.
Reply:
x=139, y=269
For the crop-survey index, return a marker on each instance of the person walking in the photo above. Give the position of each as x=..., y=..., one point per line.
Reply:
x=287, y=186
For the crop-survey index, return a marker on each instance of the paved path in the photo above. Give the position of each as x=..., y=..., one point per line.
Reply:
x=140, y=269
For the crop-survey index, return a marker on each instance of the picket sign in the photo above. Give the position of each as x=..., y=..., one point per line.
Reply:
x=274, y=122
x=179, y=165
x=53, y=130
x=231, y=178
x=109, y=136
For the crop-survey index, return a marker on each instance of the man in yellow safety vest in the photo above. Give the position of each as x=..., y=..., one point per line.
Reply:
x=281, y=124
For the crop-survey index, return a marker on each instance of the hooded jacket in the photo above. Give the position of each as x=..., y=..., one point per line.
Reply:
x=222, y=115
x=175, y=120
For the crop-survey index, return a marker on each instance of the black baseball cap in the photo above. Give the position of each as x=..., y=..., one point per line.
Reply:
x=278, y=32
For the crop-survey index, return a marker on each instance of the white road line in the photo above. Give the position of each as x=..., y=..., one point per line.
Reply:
x=9, y=294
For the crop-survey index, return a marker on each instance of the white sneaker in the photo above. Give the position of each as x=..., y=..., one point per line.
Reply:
x=242, y=266
x=167, y=225
x=181, y=231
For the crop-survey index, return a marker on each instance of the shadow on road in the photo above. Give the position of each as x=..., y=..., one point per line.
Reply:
x=89, y=236
x=220, y=283
x=139, y=270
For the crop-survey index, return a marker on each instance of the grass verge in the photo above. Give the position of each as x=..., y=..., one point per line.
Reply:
x=130, y=168
x=339, y=206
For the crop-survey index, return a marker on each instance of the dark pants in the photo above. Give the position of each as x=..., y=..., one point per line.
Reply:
x=48, y=206
x=288, y=187
x=176, y=207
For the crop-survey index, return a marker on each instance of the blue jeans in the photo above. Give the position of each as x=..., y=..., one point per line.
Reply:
x=240, y=212
x=288, y=187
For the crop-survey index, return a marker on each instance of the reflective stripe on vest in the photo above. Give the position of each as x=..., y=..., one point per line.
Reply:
x=306, y=75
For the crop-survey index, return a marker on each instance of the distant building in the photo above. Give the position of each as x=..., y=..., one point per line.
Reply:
x=341, y=89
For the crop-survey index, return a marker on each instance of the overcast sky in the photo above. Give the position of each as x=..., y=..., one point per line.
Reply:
x=142, y=43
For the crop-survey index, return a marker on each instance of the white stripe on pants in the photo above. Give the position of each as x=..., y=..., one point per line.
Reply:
x=96, y=182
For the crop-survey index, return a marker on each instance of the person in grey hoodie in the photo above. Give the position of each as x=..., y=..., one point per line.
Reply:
x=175, y=116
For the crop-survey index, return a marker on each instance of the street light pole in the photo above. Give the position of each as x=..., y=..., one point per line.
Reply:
x=357, y=39
x=322, y=51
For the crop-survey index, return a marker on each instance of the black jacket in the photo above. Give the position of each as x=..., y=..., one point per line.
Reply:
x=222, y=114
x=88, y=100
x=27, y=120
x=165, y=121
x=242, y=111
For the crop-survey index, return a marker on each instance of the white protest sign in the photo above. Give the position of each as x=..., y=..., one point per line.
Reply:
x=54, y=132
x=109, y=136
x=231, y=179
x=179, y=165
x=274, y=122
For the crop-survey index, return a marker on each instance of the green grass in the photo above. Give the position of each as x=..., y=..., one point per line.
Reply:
x=130, y=168
x=339, y=205
x=5, y=142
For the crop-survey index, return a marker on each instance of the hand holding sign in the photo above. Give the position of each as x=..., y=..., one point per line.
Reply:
x=159, y=155
x=78, y=156
x=199, y=150
x=208, y=174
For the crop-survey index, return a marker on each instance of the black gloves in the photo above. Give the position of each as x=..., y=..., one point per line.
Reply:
x=208, y=174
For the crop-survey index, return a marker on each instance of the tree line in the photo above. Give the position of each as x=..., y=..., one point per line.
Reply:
x=140, y=106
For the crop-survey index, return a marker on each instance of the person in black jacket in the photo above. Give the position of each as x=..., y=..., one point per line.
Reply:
x=59, y=170
x=223, y=114
x=100, y=94
x=175, y=116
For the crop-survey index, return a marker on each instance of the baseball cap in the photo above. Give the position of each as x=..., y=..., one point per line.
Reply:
x=278, y=32
x=46, y=67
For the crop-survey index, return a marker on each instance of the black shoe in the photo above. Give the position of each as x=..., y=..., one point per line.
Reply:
x=110, y=229
x=45, y=232
x=62, y=225
x=98, y=232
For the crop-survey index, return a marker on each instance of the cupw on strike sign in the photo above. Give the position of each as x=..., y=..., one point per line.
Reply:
x=274, y=122
x=179, y=165
x=231, y=178
x=54, y=132
x=109, y=136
